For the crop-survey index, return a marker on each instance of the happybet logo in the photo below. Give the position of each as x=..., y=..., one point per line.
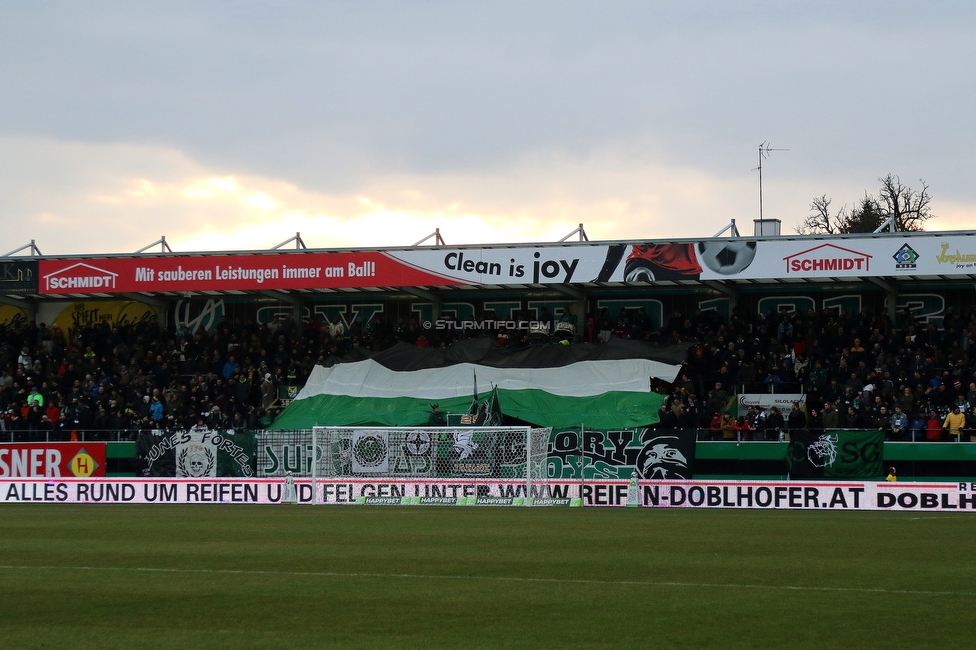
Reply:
x=82, y=465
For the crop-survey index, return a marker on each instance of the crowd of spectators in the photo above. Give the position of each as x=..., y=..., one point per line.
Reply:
x=105, y=381
x=911, y=380
x=111, y=381
x=914, y=381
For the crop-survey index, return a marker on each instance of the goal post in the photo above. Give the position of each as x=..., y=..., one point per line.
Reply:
x=503, y=461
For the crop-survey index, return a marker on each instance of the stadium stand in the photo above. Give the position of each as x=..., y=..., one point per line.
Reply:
x=856, y=371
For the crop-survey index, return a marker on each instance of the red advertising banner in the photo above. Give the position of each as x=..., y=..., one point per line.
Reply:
x=52, y=460
x=256, y=272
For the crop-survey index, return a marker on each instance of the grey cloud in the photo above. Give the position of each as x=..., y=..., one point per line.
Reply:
x=329, y=94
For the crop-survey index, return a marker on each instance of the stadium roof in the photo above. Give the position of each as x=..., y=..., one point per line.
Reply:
x=722, y=264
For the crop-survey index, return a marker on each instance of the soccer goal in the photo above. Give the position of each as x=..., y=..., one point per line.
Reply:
x=497, y=461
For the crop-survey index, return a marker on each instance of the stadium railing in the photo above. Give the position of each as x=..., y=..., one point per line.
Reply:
x=768, y=435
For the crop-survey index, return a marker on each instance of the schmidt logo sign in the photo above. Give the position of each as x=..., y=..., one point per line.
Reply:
x=827, y=258
x=80, y=276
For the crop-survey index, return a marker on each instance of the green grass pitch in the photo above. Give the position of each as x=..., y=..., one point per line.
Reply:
x=427, y=577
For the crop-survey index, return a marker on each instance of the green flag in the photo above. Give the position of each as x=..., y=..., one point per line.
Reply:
x=835, y=454
x=492, y=410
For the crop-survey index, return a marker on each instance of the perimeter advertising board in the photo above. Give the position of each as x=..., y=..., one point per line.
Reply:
x=743, y=495
x=900, y=254
x=18, y=276
x=52, y=459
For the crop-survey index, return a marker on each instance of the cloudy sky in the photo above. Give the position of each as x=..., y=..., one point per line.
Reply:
x=233, y=125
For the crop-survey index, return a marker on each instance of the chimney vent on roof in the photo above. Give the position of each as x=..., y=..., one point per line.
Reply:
x=767, y=227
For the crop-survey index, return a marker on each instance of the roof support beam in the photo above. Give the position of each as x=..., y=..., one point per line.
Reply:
x=421, y=293
x=34, y=250
x=892, y=291
x=299, y=243
x=148, y=300
x=13, y=302
x=436, y=235
x=297, y=309
x=435, y=299
x=568, y=290
x=161, y=242
x=281, y=296
x=29, y=306
x=887, y=286
x=722, y=287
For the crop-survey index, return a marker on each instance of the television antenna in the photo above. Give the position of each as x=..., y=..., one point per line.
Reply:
x=764, y=150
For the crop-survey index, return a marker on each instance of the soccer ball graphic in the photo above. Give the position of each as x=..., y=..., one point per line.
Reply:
x=727, y=257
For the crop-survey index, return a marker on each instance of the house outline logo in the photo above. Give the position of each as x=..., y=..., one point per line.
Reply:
x=852, y=261
x=96, y=278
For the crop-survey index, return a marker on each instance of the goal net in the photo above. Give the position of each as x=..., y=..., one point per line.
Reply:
x=406, y=452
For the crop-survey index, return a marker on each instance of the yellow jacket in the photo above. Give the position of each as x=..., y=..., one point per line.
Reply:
x=954, y=421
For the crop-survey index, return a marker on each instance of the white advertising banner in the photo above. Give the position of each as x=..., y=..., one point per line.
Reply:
x=900, y=254
x=889, y=255
x=268, y=491
x=743, y=495
x=784, y=401
x=810, y=495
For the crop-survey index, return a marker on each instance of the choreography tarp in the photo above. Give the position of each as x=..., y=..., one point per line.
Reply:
x=602, y=393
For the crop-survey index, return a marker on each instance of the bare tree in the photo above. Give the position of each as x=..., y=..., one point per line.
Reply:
x=911, y=208
x=820, y=221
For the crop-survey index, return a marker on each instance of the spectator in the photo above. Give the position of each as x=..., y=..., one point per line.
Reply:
x=743, y=428
x=854, y=419
x=156, y=410
x=830, y=416
x=933, y=427
x=919, y=427
x=715, y=426
x=883, y=422
x=970, y=431
x=436, y=419
x=775, y=425
x=231, y=367
x=728, y=427
x=35, y=398
x=815, y=422
x=953, y=423
x=797, y=419
x=899, y=424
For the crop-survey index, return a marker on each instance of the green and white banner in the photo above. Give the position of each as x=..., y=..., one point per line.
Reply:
x=835, y=454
